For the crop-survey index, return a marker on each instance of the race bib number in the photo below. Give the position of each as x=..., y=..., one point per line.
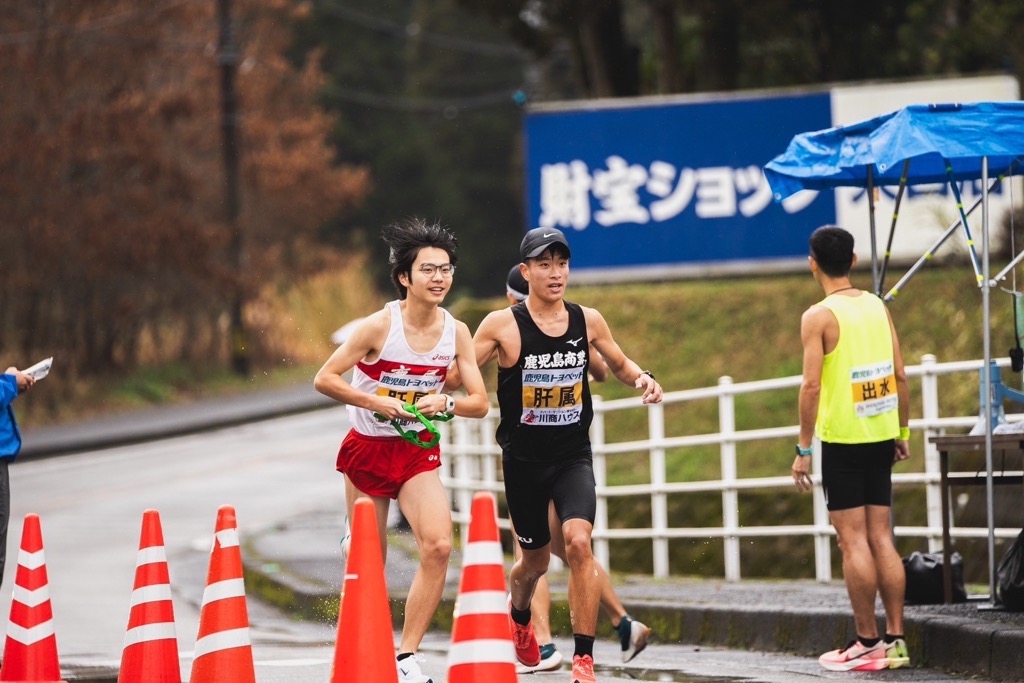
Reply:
x=552, y=397
x=874, y=389
x=408, y=388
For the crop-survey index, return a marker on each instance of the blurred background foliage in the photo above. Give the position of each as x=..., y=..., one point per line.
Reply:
x=116, y=250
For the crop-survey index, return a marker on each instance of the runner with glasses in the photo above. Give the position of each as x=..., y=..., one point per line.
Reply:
x=398, y=356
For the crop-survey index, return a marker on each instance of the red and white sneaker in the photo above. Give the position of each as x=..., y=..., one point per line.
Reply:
x=856, y=657
x=583, y=669
x=523, y=640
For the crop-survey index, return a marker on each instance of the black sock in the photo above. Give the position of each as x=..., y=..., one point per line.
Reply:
x=404, y=655
x=869, y=642
x=521, y=617
x=584, y=645
x=890, y=637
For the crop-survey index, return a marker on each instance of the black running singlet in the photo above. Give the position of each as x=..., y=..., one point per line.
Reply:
x=544, y=399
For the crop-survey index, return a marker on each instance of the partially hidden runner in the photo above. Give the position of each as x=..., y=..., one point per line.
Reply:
x=400, y=355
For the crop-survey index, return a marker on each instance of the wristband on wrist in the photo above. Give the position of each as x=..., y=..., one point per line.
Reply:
x=803, y=452
x=904, y=433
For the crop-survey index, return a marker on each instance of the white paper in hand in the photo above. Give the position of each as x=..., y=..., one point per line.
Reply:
x=40, y=369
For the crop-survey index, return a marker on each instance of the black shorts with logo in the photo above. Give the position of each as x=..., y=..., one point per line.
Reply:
x=858, y=474
x=529, y=486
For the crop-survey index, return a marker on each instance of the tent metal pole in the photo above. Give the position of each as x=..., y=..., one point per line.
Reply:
x=963, y=217
x=892, y=226
x=930, y=252
x=1001, y=275
x=877, y=285
x=987, y=337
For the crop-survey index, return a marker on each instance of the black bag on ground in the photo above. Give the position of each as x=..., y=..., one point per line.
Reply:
x=924, y=578
x=1011, y=576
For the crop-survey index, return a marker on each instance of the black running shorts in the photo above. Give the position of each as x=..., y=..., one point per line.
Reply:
x=855, y=475
x=529, y=486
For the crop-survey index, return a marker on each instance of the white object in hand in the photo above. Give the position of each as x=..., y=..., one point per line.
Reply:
x=40, y=369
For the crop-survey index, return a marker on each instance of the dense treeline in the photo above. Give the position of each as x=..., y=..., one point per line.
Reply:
x=116, y=245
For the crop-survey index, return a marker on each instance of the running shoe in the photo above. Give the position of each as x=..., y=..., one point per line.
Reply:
x=856, y=657
x=346, y=541
x=633, y=637
x=550, y=659
x=897, y=654
x=583, y=669
x=409, y=671
x=523, y=640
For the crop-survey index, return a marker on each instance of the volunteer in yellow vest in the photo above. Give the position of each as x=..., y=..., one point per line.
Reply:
x=854, y=398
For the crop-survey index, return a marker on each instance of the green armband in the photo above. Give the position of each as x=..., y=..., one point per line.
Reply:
x=904, y=433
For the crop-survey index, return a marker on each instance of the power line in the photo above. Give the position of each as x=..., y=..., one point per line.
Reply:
x=400, y=103
x=24, y=37
x=409, y=31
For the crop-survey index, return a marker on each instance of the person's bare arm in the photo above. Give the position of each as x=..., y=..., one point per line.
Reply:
x=598, y=368
x=625, y=370
x=812, y=338
x=475, y=403
x=902, y=389
x=487, y=340
x=364, y=342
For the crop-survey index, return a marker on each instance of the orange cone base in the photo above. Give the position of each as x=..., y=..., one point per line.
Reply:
x=473, y=673
x=225, y=666
x=36, y=662
x=152, y=662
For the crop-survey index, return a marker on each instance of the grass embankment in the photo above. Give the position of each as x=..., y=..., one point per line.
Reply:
x=688, y=333
x=693, y=333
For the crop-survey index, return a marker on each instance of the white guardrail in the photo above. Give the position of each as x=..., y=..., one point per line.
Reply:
x=473, y=463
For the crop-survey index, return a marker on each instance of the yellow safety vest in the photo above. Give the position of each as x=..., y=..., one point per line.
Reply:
x=859, y=401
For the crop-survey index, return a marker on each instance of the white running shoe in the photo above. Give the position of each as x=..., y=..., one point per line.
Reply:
x=346, y=541
x=856, y=657
x=550, y=659
x=409, y=671
x=632, y=636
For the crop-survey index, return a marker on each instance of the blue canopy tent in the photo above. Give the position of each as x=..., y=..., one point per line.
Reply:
x=918, y=144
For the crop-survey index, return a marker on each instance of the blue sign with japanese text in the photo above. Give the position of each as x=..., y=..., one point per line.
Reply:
x=673, y=184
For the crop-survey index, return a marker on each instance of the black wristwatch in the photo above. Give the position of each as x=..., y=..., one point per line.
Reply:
x=648, y=373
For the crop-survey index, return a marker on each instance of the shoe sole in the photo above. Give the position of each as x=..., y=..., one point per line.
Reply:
x=858, y=664
x=550, y=664
x=898, y=662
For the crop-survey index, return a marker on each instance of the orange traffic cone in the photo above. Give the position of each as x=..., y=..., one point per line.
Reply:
x=151, y=644
x=30, y=653
x=365, y=648
x=223, y=651
x=481, y=643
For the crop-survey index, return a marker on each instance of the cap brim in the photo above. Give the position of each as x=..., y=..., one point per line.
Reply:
x=537, y=251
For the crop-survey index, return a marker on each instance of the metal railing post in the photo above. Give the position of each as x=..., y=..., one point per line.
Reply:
x=659, y=501
x=730, y=497
x=822, y=534
x=930, y=412
x=597, y=440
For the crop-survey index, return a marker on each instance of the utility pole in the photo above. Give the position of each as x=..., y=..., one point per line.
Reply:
x=228, y=60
